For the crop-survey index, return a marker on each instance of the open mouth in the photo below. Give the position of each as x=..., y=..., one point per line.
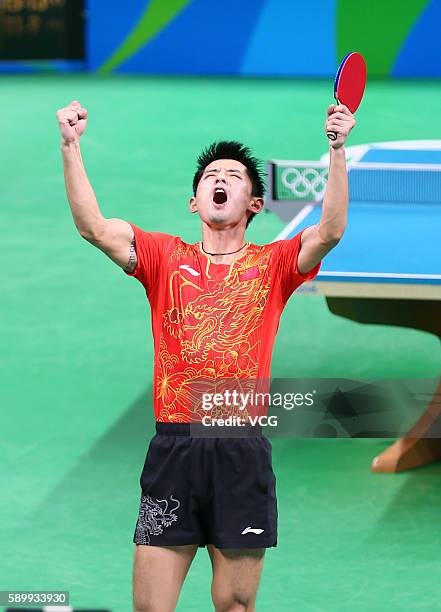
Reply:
x=220, y=196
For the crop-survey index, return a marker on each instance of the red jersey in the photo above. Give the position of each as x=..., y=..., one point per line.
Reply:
x=212, y=320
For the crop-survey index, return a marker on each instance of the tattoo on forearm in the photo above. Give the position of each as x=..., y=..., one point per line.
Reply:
x=131, y=265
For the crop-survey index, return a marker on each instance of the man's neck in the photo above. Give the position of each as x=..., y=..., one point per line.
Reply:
x=223, y=246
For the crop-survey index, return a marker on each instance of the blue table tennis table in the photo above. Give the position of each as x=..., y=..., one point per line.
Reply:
x=387, y=267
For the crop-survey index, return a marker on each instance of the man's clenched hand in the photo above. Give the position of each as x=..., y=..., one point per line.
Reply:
x=72, y=121
x=341, y=121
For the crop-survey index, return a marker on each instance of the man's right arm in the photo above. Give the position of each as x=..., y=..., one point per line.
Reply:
x=112, y=236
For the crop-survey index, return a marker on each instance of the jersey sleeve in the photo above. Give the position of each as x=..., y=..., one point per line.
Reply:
x=151, y=249
x=288, y=272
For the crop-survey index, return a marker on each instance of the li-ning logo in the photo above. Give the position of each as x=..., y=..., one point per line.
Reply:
x=190, y=269
x=249, y=274
x=252, y=530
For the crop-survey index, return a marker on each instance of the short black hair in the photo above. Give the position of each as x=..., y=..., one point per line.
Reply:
x=231, y=149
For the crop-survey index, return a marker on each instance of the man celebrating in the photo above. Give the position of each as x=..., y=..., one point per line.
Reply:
x=215, y=309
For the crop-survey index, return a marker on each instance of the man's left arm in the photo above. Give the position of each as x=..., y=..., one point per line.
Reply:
x=319, y=239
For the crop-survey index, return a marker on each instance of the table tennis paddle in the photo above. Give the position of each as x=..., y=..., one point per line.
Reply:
x=349, y=84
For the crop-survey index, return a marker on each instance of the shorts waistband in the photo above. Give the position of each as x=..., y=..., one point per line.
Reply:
x=198, y=430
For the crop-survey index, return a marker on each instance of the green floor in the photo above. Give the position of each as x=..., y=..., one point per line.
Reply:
x=76, y=350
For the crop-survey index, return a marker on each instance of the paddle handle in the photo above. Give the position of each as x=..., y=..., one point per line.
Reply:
x=332, y=135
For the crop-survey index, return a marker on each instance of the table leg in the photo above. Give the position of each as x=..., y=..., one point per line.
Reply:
x=416, y=448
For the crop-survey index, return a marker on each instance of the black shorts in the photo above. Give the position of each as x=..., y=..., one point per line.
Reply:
x=199, y=490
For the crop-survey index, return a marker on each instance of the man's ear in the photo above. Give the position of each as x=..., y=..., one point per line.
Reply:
x=192, y=205
x=256, y=205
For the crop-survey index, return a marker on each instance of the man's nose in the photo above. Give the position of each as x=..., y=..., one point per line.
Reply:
x=221, y=176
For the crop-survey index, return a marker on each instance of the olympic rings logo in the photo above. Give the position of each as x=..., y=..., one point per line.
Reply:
x=305, y=182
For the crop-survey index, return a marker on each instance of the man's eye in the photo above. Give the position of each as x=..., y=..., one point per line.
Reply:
x=209, y=174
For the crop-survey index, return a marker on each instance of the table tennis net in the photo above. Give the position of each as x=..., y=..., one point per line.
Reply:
x=368, y=182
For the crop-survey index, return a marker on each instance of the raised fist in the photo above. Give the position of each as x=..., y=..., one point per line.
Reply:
x=339, y=121
x=72, y=120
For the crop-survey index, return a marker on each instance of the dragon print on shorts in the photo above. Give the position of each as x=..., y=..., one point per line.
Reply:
x=154, y=515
